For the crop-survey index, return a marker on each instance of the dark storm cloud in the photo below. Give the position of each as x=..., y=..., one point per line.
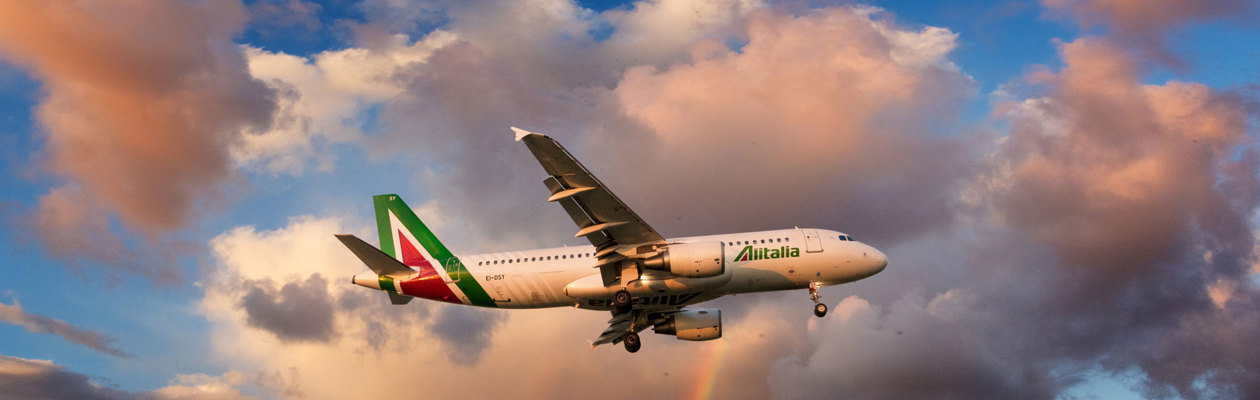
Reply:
x=466, y=332
x=23, y=379
x=34, y=379
x=14, y=314
x=297, y=311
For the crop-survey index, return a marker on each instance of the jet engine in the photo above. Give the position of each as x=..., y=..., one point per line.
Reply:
x=690, y=260
x=693, y=325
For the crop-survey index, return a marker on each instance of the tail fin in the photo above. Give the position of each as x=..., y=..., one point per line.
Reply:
x=409, y=241
x=403, y=236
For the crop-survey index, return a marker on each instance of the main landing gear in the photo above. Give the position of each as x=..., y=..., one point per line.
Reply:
x=622, y=301
x=820, y=309
x=632, y=342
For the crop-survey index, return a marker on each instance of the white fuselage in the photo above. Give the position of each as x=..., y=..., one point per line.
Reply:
x=778, y=260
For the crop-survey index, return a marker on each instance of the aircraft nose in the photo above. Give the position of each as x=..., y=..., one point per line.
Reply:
x=879, y=261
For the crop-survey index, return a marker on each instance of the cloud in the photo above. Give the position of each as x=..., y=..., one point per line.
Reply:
x=247, y=296
x=100, y=342
x=1143, y=23
x=323, y=99
x=914, y=349
x=142, y=100
x=824, y=120
x=468, y=332
x=792, y=111
x=39, y=379
x=297, y=311
x=276, y=17
x=73, y=229
x=1117, y=208
x=22, y=378
x=1112, y=234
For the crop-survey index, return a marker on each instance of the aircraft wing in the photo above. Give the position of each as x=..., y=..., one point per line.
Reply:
x=601, y=217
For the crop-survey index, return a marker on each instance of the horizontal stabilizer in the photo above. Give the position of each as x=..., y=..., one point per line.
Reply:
x=399, y=298
x=376, y=260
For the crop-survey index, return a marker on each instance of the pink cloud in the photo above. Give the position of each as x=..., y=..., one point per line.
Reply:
x=1144, y=23
x=142, y=100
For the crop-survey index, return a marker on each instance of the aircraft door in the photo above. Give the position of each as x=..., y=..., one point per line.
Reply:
x=812, y=243
x=452, y=268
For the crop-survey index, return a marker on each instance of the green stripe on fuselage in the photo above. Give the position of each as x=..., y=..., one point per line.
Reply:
x=463, y=279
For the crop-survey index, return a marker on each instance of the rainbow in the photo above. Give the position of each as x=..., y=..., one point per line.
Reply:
x=710, y=368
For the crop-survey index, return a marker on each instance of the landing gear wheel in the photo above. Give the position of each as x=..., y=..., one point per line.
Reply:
x=632, y=342
x=820, y=310
x=622, y=300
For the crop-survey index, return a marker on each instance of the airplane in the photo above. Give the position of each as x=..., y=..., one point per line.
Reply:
x=643, y=279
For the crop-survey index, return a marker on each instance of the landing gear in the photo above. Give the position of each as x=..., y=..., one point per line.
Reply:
x=621, y=301
x=632, y=342
x=820, y=309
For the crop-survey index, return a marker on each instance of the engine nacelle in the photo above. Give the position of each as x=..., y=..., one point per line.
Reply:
x=694, y=325
x=691, y=260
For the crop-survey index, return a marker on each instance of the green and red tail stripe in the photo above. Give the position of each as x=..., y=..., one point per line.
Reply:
x=407, y=239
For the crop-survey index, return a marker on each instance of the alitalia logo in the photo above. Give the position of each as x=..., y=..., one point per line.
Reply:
x=751, y=253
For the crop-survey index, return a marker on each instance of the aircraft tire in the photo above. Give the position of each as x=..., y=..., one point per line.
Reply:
x=622, y=300
x=820, y=310
x=632, y=342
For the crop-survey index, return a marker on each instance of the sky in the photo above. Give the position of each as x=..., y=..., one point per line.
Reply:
x=1066, y=190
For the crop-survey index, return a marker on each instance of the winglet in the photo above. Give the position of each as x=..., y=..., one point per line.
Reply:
x=521, y=133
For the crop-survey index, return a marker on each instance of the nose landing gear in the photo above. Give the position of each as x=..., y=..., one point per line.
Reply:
x=820, y=309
